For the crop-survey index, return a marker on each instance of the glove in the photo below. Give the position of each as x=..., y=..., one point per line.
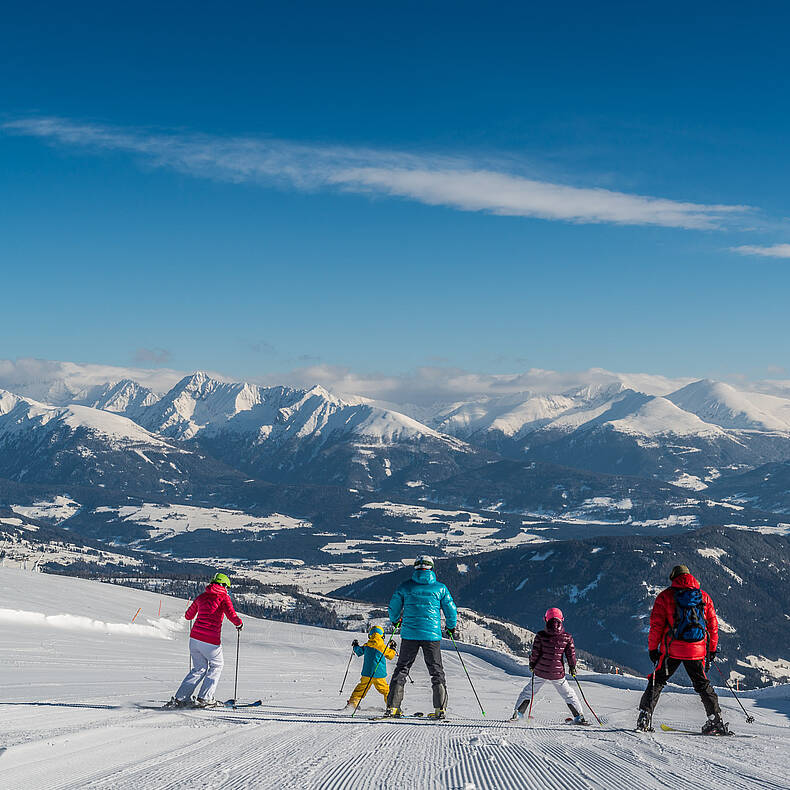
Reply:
x=654, y=655
x=709, y=659
x=572, y=670
x=239, y=627
x=355, y=643
x=397, y=624
x=450, y=632
x=531, y=667
x=393, y=644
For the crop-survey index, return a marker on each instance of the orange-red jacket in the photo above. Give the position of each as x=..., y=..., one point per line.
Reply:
x=662, y=619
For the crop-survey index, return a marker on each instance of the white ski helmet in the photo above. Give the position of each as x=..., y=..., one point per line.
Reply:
x=424, y=562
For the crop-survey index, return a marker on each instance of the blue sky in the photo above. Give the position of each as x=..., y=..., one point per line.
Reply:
x=272, y=187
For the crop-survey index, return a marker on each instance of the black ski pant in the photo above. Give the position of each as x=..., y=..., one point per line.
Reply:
x=696, y=672
x=431, y=652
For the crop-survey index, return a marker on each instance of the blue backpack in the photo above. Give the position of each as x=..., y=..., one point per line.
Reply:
x=690, y=623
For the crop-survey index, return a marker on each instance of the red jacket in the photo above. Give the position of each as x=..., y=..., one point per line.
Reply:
x=662, y=618
x=210, y=607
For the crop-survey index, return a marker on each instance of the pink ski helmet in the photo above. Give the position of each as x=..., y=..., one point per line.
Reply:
x=553, y=613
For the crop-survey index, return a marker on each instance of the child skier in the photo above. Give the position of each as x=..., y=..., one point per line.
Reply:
x=374, y=667
x=552, y=646
x=204, y=643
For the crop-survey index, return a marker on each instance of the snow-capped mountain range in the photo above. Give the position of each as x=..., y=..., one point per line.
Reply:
x=690, y=436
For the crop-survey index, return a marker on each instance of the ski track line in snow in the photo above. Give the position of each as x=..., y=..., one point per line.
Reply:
x=229, y=759
x=75, y=759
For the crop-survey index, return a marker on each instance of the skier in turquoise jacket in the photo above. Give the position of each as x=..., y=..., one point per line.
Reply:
x=417, y=605
x=374, y=666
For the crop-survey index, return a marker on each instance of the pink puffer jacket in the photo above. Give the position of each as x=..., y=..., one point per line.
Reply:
x=210, y=607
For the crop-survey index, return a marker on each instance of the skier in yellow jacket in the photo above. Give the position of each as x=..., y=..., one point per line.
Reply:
x=374, y=666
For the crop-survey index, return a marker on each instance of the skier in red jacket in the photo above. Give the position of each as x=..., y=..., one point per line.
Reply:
x=204, y=643
x=683, y=630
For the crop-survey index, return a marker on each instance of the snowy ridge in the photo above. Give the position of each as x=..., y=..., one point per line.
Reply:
x=660, y=416
x=721, y=404
x=199, y=404
x=21, y=415
x=124, y=397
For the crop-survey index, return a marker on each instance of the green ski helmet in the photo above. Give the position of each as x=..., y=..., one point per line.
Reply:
x=220, y=578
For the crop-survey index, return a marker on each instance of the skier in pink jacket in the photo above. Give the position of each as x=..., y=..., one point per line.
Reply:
x=205, y=646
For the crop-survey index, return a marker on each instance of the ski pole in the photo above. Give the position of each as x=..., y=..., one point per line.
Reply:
x=531, y=695
x=749, y=718
x=236, y=681
x=585, y=699
x=395, y=630
x=346, y=675
x=449, y=633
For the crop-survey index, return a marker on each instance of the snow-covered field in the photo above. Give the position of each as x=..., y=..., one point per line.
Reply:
x=166, y=521
x=79, y=682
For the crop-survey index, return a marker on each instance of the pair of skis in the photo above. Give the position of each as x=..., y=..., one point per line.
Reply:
x=416, y=715
x=667, y=728
x=229, y=703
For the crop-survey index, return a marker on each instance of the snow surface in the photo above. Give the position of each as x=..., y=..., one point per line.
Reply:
x=78, y=712
x=166, y=521
x=58, y=509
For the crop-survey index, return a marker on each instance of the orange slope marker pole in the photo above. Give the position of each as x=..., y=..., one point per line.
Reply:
x=136, y=613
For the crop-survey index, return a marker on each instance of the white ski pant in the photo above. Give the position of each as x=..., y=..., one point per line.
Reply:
x=207, y=663
x=563, y=689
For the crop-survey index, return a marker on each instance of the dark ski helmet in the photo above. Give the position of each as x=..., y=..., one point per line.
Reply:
x=678, y=570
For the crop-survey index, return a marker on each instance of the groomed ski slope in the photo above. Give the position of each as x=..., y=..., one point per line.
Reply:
x=76, y=692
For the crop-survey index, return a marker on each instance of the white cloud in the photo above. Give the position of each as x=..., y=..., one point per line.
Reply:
x=57, y=382
x=429, y=385
x=434, y=180
x=769, y=251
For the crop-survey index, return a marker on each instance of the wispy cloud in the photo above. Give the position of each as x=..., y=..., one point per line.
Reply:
x=768, y=251
x=154, y=356
x=431, y=384
x=456, y=182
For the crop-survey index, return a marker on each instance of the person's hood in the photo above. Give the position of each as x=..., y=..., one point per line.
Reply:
x=554, y=626
x=376, y=641
x=423, y=576
x=685, y=582
x=216, y=589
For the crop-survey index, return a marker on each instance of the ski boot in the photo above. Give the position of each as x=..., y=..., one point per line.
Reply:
x=207, y=703
x=715, y=726
x=645, y=721
x=437, y=714
x=393, y=713
x=520, y=711
x=580, y=720
x=174, y=702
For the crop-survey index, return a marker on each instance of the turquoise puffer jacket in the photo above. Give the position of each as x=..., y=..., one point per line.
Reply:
x=374, y=666
x=420, y=602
